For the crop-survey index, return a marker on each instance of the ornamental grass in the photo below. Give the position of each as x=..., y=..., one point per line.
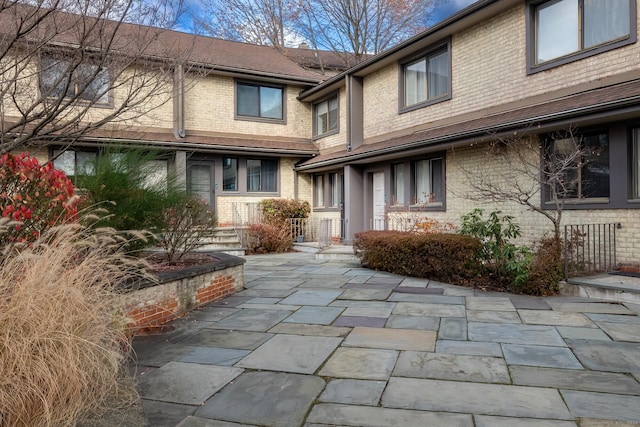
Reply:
x=63, y=346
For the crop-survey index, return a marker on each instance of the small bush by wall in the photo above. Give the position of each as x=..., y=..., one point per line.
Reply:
x=450, y=258
x=268, y=238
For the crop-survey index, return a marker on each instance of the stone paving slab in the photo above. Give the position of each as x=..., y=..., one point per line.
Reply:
x=415, y=282
x=453, y=367
x=489, y=303
x=258, y=306
x=360, y=363
x=417, y=290
x=363, y=321
x=291, y=353
x=536, y=355
x=307, y=329
x=493, y=316
x=607, y=356
x=393, y=339
x=264, y=398
x=515, y=334
x=241, y=340
x=614, y=318
x=470, y=348
x=212, y=313
x=541, y=317
x=203, y=422
x=186, y=383
x=252, y=320
x=311, y=297
x=474, y=398
x=452, y=329
x=428, y=298
x=491, y=421
x=268, y=293
x=350, y=415
x=353, y=392
x=380, y=310
x=164, y=414
x=426, y=309
x=605, y=382
x=364, y=294
x=413, y=322
x=214, y=356
x=621, y=331
x=602, y=405
x=315, y=315
x=576, y=333
x=529, y=303
x=591, y=307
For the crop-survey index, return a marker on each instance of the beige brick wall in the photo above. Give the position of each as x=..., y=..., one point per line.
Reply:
x=462, y=166
x=210, y=106
x=488, y=69
x=224, y=203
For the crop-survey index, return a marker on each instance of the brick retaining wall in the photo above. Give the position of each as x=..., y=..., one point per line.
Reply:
x=177, y=292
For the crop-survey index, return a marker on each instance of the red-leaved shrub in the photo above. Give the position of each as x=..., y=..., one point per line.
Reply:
x=35, y=196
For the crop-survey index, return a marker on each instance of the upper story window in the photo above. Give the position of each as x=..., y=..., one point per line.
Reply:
x=257, y=101
x=426, y=79
x=59, y=77
x=562, y=31
x=577, y=167
x=325, y=116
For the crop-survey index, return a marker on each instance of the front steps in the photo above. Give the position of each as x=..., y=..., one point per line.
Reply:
x=223, y=239
x=333, y=252
x=610, y=287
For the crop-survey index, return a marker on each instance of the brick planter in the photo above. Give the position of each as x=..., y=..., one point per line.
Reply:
x=150, y=304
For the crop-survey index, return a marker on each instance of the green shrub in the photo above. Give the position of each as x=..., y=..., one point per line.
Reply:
x=509, y=263
x=444, y=257
x=267, y=238
x=547, y=269
x=119, y=183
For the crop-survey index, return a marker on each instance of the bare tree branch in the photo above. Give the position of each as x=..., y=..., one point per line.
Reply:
x=66, y=75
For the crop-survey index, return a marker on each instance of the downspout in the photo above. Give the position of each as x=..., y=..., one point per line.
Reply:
x=178, y=101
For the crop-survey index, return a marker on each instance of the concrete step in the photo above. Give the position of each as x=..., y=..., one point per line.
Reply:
x=611, y=287
x=333, y=252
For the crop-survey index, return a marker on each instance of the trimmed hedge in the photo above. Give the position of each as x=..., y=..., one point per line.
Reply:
x=444, y=257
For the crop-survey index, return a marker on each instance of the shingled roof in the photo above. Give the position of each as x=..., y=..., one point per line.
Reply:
x=65, y=30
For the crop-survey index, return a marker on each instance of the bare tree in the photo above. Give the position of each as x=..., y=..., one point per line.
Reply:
x=362, y=27
x=262, y=22
x=350, y=28
x=69, y=68
x=525, y=166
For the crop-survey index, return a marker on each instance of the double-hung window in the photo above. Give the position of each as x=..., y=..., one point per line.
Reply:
x=74, y=162
x=262, y=175
x=325, y=116
x=561, y=31
x=60, y=78
x=428, y=181
x=426, y=79
x=397, y=184
x=327, y=190
x=576, y=167
x=258, y=101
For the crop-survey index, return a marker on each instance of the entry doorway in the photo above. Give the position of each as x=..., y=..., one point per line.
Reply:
x=378, y=201
x=200, y=181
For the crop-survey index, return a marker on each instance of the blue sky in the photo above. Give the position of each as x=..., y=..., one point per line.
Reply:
x=447, y=8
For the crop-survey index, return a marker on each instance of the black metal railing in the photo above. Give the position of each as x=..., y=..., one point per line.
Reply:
x=589, y=248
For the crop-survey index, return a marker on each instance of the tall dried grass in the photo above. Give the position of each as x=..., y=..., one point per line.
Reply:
x=62, y=345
